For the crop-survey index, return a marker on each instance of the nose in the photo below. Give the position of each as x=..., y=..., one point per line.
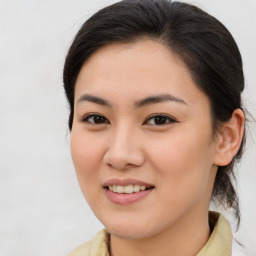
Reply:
x=124, y=150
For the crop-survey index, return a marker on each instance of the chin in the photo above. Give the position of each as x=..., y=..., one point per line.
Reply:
x=130, y=230
x=129, y=234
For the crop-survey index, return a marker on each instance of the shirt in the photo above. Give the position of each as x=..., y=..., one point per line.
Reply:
x=220, y=242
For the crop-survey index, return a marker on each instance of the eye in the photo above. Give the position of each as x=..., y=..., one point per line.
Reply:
x=159, y=119
x=95, y=119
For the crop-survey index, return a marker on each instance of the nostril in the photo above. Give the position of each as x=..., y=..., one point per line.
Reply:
x=124, y=160
x=118, y=163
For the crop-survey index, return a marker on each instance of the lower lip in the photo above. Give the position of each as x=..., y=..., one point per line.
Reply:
x=125, y=199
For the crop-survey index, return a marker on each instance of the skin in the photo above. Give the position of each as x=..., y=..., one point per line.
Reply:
x=179, y=157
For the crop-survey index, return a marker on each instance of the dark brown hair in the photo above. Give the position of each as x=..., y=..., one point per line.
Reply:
x=200, y=40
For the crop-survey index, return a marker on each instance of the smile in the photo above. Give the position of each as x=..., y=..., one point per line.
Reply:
x=129, y=189
x=126, y=192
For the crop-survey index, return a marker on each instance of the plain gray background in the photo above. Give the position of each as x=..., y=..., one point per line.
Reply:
x=42, y=211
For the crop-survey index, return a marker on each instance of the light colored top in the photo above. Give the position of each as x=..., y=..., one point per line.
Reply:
x=220, y=243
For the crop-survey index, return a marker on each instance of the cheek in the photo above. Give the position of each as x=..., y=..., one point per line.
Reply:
x=183, y=162
x=83, y=154
x=87, y=157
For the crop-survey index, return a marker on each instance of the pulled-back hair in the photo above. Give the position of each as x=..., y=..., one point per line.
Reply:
x=201, y=42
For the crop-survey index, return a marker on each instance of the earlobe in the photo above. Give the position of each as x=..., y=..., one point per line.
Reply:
x=229, y=138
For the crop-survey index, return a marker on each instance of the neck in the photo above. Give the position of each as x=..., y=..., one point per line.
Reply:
x=184, y=238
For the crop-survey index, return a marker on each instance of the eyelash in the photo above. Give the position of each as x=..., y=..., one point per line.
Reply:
x=102, y=118
x=162, y=118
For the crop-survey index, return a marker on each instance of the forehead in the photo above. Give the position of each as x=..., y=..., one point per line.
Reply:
x=141, y=55
x=144, y=67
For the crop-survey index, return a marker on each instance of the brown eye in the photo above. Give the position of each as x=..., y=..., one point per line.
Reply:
x=95, y=119
x=159, y=120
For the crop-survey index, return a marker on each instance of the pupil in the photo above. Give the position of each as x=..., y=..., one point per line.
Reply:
x=160, y=120
x=98, y=120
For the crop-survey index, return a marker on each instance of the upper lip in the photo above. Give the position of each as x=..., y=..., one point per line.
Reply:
x=126, y=182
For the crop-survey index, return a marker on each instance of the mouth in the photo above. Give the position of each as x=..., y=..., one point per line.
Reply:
x=128, y=189
x=125, y=192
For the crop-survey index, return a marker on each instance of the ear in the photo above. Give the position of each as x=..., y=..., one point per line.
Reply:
x=229, y=138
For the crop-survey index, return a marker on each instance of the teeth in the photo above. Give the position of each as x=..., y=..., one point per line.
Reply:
x=126, y=189
x=136, y=188
x=120, y=189
x=142, y=187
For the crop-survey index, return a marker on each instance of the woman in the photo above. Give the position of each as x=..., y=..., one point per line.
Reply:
x=156, y=123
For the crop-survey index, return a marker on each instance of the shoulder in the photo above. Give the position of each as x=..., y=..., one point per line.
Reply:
x=82, y=250
x=238, y=250
x=97, y=246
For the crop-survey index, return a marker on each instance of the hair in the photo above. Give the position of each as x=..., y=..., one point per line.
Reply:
x=197, y=38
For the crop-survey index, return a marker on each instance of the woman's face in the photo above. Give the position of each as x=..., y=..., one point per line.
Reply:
x=141, y=141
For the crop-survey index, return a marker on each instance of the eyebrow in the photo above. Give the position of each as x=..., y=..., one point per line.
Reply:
x=159, y=99
x=94, y=99
x=141, y=103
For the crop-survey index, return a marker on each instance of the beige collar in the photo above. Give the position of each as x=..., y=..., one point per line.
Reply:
x=219, y=243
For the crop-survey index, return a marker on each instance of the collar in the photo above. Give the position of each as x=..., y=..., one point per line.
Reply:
x=220, y=240
x=219, y=243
